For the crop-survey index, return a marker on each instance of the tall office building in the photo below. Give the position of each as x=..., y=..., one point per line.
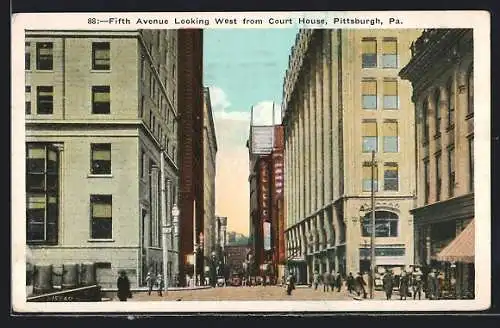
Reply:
x=343, y=99
x=101, y=110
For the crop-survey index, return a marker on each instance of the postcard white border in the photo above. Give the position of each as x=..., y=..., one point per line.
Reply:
x=479, y=21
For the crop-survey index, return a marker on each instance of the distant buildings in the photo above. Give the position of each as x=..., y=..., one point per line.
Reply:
x=101, y=109
x=191, y=153
x=442, y=74
x=343, y=99
x=266, y=195
x=210, y=154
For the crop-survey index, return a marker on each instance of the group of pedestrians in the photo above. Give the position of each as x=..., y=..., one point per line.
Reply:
x=330, y=281
x=123, y=285
x=404, y=283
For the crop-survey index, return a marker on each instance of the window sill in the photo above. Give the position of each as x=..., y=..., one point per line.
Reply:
x=450, y=127
x=100, y=71
x=395, y=108
x=99, y=175
x=42, y=70
x=100, y=240
x=437, y=136
x=469, y=116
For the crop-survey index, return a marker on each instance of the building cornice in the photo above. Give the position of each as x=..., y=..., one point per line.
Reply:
x=433, y=53
x=461, y=207
x=58, y=125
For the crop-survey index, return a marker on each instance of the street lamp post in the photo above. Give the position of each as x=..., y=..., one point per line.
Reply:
x=372, y=231
x=168, y=230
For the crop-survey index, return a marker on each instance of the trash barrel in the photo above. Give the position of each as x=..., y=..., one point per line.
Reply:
x=70, y=276
x=87, y=274
x=42, y=280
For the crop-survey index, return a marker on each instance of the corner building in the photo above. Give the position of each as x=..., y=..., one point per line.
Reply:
x=342, y=99
x=442, y=74
x=101, y=110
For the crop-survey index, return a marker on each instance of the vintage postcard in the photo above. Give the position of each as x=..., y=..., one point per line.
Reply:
x=251, y=162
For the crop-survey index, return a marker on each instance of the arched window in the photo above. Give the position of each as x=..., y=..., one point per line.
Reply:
x=386, y=224
x=450, y=92
x=437, y=111
x=470, y=90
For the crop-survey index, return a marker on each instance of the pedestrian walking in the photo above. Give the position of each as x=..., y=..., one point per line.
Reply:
x=150, y=282
x=431, y=286
x=360, y=285
x=160, y=283
x=332, y=280
x=388, y=284
x=403, y=285
x=417, y=283
x=326, y=281
x=338, y=281
x=350, y=283
x=123, y=285
x=316, y=280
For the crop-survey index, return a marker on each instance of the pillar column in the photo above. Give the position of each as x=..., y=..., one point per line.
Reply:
x=301, y=161
x=303, y=250
x=155, y=193
x=327, y=117
x=313, y=129
x=320, y=183
x=461, y=130
x=307, y=143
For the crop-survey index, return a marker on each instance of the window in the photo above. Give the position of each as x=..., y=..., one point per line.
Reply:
x=451, y=171
x=369, y=94
x=450, y=91
x=143, y=159
x=27, y=56
x=101, y=158
x=101, y=216
x=369, y=129
x=369, y=55
x=471, y=164
x=390, y=53
x=425, y=119
x=386, y=224
x=101, y=56
x=367, y=177
x=45, y=100
x=437, y=109
x=438, y=177
x=426, y=181
x=470, y=91
x=42, y=193
x=27, y=99
x=391, y=94
x=391, y=180
x=391, y=139
x=44, y=56
x=101, y=99
x=141, y=108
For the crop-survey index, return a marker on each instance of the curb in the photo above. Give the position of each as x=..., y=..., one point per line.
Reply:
x=145, y=289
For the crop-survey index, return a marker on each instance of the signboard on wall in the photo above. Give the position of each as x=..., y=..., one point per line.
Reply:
x=264, y=192
x=267, y=235
x=262, y=139
x=278, y=173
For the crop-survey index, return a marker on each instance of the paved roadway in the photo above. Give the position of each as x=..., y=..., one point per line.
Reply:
x=268, y=293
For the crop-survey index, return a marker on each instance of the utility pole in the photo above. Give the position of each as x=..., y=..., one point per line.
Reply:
x=194, y=243
x=372, y=239
x=164, y=229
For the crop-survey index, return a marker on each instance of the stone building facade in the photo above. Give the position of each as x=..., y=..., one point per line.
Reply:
x=101, y=110
x=442, y=74
x=342, y=99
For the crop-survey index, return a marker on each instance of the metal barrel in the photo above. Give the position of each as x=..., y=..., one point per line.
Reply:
x=42, y=279
x=70, y=276
x=87, y=274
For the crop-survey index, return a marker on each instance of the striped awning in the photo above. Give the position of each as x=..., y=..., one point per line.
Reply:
x=460, y=249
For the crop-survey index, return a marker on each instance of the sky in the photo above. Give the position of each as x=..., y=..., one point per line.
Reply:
x=242, y=68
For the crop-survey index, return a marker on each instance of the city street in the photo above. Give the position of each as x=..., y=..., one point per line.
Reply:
x=269, y=293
